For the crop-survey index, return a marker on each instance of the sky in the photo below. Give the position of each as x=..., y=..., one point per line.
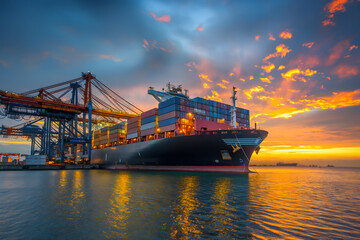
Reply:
x=295, y=63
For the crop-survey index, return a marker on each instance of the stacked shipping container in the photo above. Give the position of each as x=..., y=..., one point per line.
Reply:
x=133, y=127
x=180, y=114
x=109, y=135
x=174, y=109
x=149, y=122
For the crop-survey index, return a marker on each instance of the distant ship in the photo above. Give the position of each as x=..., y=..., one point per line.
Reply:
x=182, y=134
x=281, y=164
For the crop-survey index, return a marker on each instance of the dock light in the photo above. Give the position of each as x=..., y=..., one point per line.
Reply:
x=158, y=130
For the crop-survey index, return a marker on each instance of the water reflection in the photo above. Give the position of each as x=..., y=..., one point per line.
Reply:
x=185, y=226
x=118, y=214
x=222, y=212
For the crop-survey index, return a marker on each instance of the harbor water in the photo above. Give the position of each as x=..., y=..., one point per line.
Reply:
x=274, y=203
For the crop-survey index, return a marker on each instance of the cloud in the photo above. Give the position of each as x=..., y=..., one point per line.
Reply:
x=331, y=8
x=337, y=51
x=221, y=85
x=268, y=68
x=281, y=67
x=337, y=100
x=150, y=45
x=353, y=47
x=225, y=81
x=267, y=79
x=345, y=71
x=112, y=58
x=295, y=74
x=285, y=35
x=281, y=50
x=199, y=28
x=215, y=96
x=308, y=45
x=205, y=77
x=164, y=18
x=249, y=93
x=271, y=37
x=205, y=85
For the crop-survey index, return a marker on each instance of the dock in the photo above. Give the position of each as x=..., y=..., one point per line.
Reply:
x=47, y=167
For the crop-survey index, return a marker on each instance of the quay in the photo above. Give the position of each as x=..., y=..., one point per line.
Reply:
x=47, y=167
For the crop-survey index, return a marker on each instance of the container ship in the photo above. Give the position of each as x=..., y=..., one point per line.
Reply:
x=181, y=134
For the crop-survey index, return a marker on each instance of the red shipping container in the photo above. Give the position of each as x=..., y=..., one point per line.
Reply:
x=210, y=125
x=147, y=132
x=133, y=120
x=113, y=135
x=149, y=113
x=168, y=128
x=169, y=115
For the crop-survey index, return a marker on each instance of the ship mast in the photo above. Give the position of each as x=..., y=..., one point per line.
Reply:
x=233, y=108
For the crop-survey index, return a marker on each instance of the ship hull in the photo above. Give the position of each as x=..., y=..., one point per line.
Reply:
x=211, y=151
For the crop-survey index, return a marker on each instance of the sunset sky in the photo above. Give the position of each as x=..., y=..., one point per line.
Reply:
x=296, y=63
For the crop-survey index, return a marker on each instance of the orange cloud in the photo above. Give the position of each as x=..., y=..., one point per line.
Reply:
x=281, y=50
x=290, y=114
x=337, y=100
x=257, y=37
x=215, y=96
x=293, y=74
x=344, y=71
x=267, y=79
x=224, y=81
x=250, y=92
x=331, y=8
x=241, y=79
x=199, y=28
x=164, y=18
x=268, y=68
x=335, y=6
x=205, y=77
x=328, y=22
x=353, y=47
x=337, y=51
x=308, y=45
x=271, y=37
x=221, y=85
x=251, y=77
x=285, y=35
x=112, y=58
x=281, y=67
x=205, y=85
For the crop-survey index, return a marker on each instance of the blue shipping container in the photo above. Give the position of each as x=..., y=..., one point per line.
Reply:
x=168, y=122
x=148, y=120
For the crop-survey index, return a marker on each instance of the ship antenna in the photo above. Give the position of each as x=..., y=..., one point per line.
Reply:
x=233, y=108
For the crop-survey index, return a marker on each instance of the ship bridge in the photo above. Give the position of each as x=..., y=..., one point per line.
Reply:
x=170, y=92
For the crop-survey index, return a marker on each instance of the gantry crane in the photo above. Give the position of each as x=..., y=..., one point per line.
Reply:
x=67, y=110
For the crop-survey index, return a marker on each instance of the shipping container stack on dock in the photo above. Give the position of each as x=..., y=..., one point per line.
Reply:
x=133, y=128
x=149, y=123
x=104, y=136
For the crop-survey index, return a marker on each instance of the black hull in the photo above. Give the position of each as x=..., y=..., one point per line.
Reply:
x=212, y=151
